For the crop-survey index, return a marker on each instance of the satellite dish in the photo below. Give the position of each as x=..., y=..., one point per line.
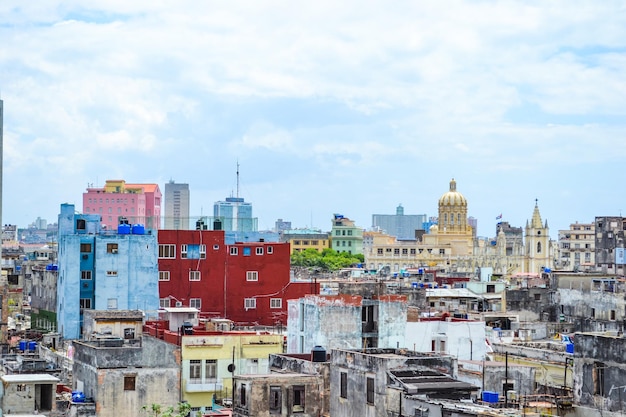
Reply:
x=231, y=367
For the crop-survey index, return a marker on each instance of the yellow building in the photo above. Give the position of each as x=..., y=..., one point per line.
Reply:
x=207, y=357
x=301, y=239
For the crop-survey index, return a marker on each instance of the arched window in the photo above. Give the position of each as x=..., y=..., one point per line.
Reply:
x=538, y=247
x=445, y=218
x=458, y=217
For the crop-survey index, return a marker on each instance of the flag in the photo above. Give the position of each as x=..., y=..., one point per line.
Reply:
x=499, y=217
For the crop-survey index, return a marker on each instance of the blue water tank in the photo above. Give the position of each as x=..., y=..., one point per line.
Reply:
x=23, y=344
x=569, y=348
x=123, y=229
x=32, y=345
x=78, y=396
x=414, y=284
x=138, y=229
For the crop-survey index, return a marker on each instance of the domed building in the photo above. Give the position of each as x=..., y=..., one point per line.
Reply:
x=453, y=230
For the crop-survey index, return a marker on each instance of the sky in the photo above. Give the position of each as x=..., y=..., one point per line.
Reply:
x=328, y=107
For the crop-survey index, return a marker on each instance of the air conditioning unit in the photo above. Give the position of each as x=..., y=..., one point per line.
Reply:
x=179, y=304
x=113, y=250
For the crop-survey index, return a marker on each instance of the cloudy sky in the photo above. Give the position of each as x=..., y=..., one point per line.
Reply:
x=329, y=107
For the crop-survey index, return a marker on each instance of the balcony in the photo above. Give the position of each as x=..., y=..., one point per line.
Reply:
x=203, y=385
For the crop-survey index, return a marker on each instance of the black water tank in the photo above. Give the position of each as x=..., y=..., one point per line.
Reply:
x=187, y=328
x=217, y=224
x=318, y=354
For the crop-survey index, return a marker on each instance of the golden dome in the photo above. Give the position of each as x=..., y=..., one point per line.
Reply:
x=453, y=197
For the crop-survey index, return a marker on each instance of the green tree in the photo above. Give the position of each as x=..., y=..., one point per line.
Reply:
x=157, y=410
x=328, y=260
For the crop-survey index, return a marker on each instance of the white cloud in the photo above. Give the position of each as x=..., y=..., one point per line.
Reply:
x=372, y=93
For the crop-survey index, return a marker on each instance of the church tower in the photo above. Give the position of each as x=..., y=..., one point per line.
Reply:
x=537, y=244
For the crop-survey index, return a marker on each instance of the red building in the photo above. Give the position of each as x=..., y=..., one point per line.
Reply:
x=244, y=282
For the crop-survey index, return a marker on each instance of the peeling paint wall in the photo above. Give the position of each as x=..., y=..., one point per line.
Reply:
x=600, y=372
x=465, y=339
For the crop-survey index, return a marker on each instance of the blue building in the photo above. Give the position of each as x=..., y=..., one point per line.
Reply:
x=103, y=269
x=235, y=215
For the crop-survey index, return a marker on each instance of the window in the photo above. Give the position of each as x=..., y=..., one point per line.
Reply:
x=337, y=232
x=612, y=314
x=593, y=313
x=538, y=247
x=195, y=303
x=202, y=251
x=276, y=302
x=343, y=389
x=233, y=250
x=167, y=251
x=413, y=251
x=216, y=247
x=85, y=248
x=210, y=369
x=298, y=399
x=246, y=251
x=275, y=400
x=111, y=247
x=259, y=251
x=252, y=275
x=129, y=333
x=195, y=369
x=129, y=382
x=296, y=242
x=370, y=390
x=249, y=303
x=194, y=275
x=85, y=303
x=183, y=251
x=537, y=297
x=405, y=251
x=164, y=275
x=242, y=395
x=598, y=378
x=85, y=274
x=491, y=288
x=270, y=249
x=396, y=251
x=442, y=251
x=379, y=251
x=164, y=302
x=111, y=273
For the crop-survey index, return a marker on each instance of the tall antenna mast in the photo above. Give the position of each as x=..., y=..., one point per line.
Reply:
x=238, y=178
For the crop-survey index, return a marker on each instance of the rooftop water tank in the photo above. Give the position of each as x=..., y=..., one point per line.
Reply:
x=187, y=328
x=318, y=354
x=123, y=229
x=138, y=229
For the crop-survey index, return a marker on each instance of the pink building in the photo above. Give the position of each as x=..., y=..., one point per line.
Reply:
x=139, y=203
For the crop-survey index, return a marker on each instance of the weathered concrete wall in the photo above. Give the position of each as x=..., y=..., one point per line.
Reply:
x=531, y=304
x=494, y=375
x=592, y=311
x=257, y=395
x=600, y=372
x=284, y=363
x=465, y=340
x=392, y=312
x=155, y=366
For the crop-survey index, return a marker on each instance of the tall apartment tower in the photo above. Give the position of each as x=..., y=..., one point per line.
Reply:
x=176, y=206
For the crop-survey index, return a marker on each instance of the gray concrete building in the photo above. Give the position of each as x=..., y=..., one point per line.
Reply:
x=176, y=206
x=609, y=239
x=400, y=225
x=379, y=382
x=122, y=370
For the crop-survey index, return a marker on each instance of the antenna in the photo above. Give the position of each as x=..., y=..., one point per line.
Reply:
x=237, y=178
